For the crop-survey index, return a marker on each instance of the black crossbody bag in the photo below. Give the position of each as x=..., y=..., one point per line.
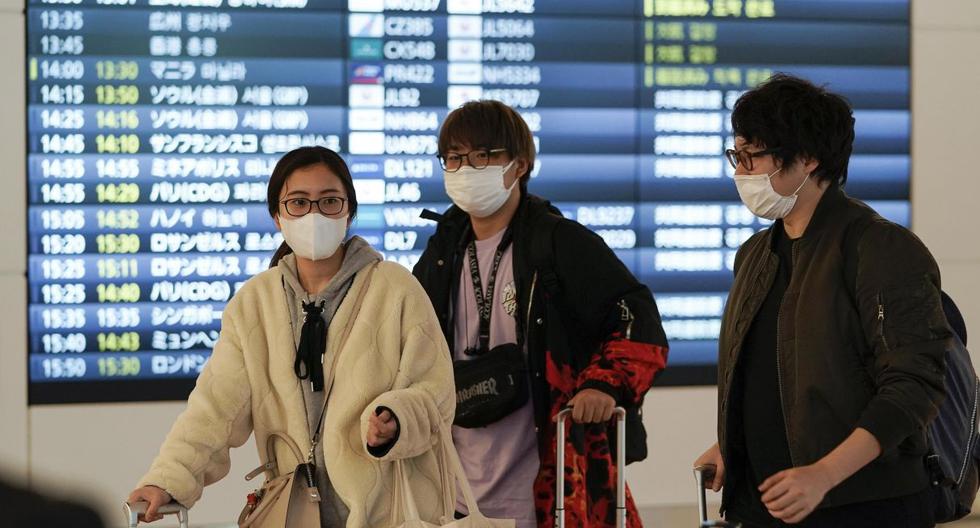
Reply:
x=495, y=383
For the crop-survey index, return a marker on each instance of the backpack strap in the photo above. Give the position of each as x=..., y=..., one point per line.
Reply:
x=849, y=249
x=541, y=257
x=541, y=254
x=954, y=317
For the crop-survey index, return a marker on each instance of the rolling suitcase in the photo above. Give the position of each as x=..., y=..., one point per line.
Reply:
x=702, y=474
x=620, y=414
x=133, y=511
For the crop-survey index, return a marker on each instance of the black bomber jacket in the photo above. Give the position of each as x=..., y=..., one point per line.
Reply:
x=860, y=343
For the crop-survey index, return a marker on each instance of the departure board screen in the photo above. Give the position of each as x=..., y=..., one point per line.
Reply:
x=154, y=126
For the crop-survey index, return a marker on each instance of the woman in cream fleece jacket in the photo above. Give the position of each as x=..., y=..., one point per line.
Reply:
x=394, y=359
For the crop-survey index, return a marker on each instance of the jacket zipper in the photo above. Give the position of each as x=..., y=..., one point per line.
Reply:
x=779, y=370
x=530, y=303
x=881, y=320
x=626, y=315
x=527, y=346
x=973, y=433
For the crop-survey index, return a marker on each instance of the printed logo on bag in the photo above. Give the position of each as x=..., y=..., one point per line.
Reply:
x=487, y=387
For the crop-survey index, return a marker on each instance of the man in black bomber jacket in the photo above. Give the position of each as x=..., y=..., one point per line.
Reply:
x=831, y=354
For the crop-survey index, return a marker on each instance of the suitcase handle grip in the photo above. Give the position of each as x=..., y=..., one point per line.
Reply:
x=703, y=475
x=562, y=416
x=133, y=511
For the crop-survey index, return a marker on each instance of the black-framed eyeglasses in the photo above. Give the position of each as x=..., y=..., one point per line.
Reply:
x=328, y=205
x=478, y=159
x=744, y=157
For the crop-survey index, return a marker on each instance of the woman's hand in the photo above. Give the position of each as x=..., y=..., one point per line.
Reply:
x=382, y=429
x=155, y=496
x=712, y=457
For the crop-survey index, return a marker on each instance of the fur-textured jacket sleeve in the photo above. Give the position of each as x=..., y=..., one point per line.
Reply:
x=218, y=417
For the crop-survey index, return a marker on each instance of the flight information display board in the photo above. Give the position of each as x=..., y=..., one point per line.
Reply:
x=154, y=125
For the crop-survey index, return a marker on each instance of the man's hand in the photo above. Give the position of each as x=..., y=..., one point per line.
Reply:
x=592, y=406
x=791, y=495
x=712, y=457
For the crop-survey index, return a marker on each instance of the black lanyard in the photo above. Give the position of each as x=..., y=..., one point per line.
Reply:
x=484, y=302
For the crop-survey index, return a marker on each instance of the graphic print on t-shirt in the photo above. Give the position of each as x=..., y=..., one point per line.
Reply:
x=509, y=299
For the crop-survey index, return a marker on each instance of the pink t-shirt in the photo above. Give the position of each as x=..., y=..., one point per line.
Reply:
x=500, y=460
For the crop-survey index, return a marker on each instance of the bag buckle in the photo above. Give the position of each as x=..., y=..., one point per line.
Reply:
x=936, y=475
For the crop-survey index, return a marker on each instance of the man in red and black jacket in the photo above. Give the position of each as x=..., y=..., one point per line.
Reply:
x=591, y=333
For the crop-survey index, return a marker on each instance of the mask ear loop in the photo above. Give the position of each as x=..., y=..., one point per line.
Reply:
x=775, y=172
x=797, y=191
x=504, y=172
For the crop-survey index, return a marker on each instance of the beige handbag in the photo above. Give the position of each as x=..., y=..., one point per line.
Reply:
x=451, y=472
x=292, y=500
x=289, y=497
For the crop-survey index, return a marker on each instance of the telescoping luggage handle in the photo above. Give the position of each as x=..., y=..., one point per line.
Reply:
x=133, y=511
x=620, y=414
x=701, y=475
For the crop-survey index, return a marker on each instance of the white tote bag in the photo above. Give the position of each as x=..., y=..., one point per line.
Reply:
x=451, y=471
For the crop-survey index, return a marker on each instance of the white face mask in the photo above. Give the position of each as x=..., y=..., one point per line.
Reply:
x=314, y=236
x=479, y=192
x=758, y=195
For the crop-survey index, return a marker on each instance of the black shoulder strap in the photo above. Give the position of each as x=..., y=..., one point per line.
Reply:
x=849, y=249
x=541, y=253
x=954, y=317
x=429, y=214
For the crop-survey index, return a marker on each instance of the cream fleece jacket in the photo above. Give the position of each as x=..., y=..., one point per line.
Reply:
x=396, y=357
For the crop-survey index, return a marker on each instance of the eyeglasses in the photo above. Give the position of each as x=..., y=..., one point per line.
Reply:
x=478, y=159
x=744, y=157
x=328, y=205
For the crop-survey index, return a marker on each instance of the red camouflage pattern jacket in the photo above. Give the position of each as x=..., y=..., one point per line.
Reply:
x=590, y=469
x=587, y=323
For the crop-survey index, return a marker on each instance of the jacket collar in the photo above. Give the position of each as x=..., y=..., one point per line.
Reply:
x=833, y=202
x=456, y=223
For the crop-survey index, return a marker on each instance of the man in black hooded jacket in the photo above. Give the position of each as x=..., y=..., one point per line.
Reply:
x=589, y=332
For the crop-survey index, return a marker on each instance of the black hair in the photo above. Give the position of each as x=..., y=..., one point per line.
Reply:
x=301, y=158
x=801, y=120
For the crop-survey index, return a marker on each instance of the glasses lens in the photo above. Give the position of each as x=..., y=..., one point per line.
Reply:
x=479, y=159
x=730, y=156
x=330, y=205
x=451, y=162
x=298, y=206
x=740, y=157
